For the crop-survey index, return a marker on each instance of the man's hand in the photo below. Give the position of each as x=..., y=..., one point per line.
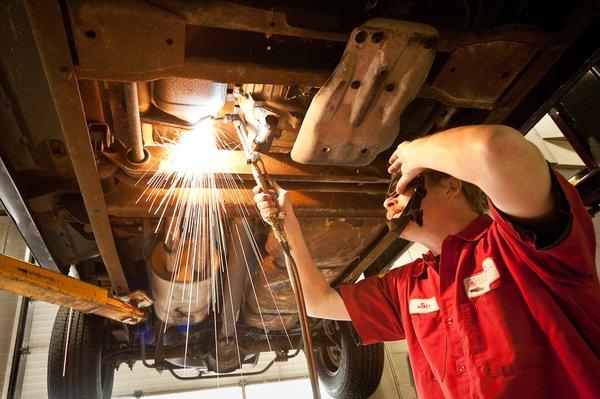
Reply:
x=271, y=203
x=509, y=169
x=399, y=162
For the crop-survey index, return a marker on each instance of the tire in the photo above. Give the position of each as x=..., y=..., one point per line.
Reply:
x=85, y=376
x=348, y=370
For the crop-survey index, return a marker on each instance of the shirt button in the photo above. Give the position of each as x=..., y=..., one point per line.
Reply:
x=462, y=368
x=449, y=321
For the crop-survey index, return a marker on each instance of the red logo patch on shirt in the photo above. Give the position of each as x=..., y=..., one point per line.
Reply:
x=480, y=283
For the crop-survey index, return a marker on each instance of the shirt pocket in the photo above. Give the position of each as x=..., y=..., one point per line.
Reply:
x=432, y=340
x=508, y=340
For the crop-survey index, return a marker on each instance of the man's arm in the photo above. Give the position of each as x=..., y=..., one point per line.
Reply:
x=321, y=300
x=509, y=169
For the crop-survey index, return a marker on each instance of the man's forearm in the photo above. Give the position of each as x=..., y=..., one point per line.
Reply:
x=321, y=300
x=460, y=152
x=508, y=168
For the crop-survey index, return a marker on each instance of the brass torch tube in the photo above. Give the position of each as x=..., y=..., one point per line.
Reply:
x=276, y=222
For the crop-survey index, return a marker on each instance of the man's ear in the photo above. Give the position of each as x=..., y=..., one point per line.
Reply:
x=453, y=187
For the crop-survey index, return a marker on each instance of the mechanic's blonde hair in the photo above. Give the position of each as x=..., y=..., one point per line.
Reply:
x=475, y=197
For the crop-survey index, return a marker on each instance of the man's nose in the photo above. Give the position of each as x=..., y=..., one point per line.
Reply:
x=389, y=202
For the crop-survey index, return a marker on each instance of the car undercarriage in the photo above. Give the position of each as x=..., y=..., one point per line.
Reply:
x=97, y=95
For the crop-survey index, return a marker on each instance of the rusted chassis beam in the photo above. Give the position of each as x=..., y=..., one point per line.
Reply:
x=139, y=41
x=280, y=167
x=124, y=202
x=51, y=39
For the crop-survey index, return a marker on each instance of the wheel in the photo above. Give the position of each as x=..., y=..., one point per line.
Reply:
x=348, y=370
x=85, y=376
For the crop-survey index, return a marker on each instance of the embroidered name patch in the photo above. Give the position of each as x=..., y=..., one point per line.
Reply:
x=478, y=284
x=420, y=306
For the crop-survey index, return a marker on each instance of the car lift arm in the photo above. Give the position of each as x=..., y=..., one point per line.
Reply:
x=35, y=282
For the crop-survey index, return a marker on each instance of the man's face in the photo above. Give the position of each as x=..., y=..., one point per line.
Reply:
x=435, y=207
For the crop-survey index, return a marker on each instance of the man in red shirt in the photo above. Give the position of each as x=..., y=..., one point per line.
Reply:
x=504, y=307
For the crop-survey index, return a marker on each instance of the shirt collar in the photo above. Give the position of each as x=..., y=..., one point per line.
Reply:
x=472, y=232
x=427, y=260
x=475, y=229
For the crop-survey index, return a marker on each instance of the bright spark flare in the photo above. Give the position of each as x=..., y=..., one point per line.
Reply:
x=188, y=179
x=195, y=154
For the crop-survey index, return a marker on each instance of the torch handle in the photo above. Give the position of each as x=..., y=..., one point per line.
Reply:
x=276, y=222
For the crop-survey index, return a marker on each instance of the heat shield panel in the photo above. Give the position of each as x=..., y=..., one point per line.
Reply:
x=355, y=115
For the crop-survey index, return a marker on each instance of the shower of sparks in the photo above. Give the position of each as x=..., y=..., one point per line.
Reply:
x=66, y=351
x=190, y=183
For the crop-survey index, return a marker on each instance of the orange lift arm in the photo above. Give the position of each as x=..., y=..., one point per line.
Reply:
x=26, y=279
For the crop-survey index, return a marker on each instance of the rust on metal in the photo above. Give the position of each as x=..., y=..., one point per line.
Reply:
x=136, y=152
x=280, y=167
x=356, y=113
x=476, y=75
x=579, y=19
x=51, y=38
x=371, y=256
x=124, y=202
x=334, y=245
x=219, y=14
x=23, y=278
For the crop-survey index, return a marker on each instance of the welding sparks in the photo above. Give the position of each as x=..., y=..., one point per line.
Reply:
x=189, y=183
x=195, y=154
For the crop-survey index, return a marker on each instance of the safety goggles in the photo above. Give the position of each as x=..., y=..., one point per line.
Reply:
x=391, y=192
x=412, y=211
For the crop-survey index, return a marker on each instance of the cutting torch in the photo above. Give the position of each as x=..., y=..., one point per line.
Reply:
x=276, y=220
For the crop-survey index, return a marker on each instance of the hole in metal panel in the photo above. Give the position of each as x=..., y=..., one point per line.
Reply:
x=378, y=37
x=361, y=36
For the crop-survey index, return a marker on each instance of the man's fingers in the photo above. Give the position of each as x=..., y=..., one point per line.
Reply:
x=256, y=190
x=260, y=197
x=395, y=166
x=405, y=180
x=393, y=158
x=401, y=185
x=266, y=205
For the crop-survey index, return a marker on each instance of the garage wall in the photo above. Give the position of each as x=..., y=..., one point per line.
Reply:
x=397, y=381
x=11, y=243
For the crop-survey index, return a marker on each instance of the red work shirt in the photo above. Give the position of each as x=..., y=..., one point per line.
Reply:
x=499, y=317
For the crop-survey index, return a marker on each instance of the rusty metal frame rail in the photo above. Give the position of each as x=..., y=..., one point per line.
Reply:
x=41, y=284
x=379, y=251
x=51, y=39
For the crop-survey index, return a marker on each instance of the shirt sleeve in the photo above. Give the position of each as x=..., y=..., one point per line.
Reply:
x=374, y=306
x=573, y=245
